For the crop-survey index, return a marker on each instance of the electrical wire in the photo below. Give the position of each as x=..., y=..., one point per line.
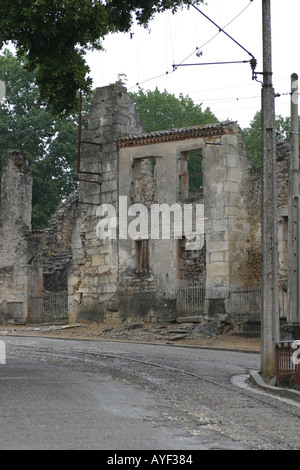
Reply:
x=215, y=102
x=228, y=100
x=234, y=99
x=217, y=34
x=215, y=63
x=222, y=29
x=175, y=67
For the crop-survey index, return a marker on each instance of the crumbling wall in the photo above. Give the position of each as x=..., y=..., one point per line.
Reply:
x=20, y=252
x=227, y=173
x=31, y=262
x=253, y=202
x=120, y=277
x=283, y=161
x=283, y=156
x=57, y=237
x=93, y=279
x=227, y=170
x=57, y=246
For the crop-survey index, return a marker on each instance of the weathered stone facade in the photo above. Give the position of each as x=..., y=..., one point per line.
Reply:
x=57, y=247
x=94, y=275
x=123, y=277
x=227, y=172
x=20, y=264
x=31, y=262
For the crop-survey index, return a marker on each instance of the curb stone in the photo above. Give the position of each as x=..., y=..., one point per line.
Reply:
x=256, y=379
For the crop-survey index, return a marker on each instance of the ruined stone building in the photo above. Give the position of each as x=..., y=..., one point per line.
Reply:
x=32, y=261
x=121, y=278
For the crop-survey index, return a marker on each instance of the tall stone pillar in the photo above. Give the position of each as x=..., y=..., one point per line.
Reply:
x=16, y=191
x=94, y=274
x=20, y=268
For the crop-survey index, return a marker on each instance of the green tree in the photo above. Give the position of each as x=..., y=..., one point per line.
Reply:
x=162, y=110
x=50, y=143
x=253, y=136
x=55, y=34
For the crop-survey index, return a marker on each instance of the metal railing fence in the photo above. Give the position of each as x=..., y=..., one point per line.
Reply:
x=244, y=305
x=287, y=354
x=50, y=307
x=190, y=298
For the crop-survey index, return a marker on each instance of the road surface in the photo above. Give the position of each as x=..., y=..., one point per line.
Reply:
x=70, y=394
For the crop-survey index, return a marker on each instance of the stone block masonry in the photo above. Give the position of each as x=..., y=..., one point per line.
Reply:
x=94, y=273
x=20, y=252
x=121, y=278
x=141, y=277
x=31, y=261
x=226, y=173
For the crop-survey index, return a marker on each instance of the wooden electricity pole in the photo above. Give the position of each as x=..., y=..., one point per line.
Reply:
x=270, y=310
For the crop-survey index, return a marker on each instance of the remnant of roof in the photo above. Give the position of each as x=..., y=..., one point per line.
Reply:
x=207, y=130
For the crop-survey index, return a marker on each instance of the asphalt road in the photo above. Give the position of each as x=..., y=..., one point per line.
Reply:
x=67, y=394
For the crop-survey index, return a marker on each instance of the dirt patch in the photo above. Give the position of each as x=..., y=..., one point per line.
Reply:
x=192, y=335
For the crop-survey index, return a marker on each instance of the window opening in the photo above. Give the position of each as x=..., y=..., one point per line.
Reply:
x=142, y=254
x=181, y=259
x=195, y=172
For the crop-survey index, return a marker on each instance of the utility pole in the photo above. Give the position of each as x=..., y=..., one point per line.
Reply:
x=294, y=222
x=269, y=282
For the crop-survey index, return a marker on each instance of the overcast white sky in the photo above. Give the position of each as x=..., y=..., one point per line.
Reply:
x=228, y=90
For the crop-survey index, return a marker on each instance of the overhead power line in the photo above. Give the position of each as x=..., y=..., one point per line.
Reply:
x=222, y=30
x=252, y=61
x=231, y=21
x=215, y=35
x=213, y=63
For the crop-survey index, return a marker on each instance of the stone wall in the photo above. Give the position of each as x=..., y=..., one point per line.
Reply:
x=120, y=277
x=253, y=196
x=57, y=237
x=57, y=247
x=253, y=202
x=93, y=279
x=283, y=161
x=20, y=251
x=31, y=262
x=227, y=175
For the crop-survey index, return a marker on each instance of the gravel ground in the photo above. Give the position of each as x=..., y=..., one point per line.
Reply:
x=206, y=335
x=70, y=394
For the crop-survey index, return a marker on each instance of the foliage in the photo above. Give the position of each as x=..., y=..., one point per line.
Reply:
x=162, y=110
x=253, y=136
x=195, y=171
x=53, y=36
x=50, y=144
